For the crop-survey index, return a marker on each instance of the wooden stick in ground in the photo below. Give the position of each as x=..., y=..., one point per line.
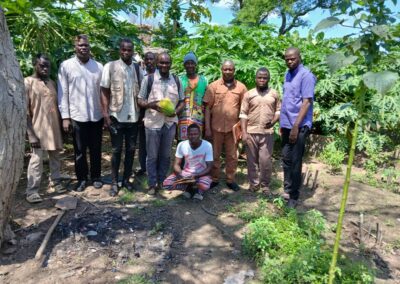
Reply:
x=315, y=180
x=87, y=200
x=377, y=232
x=361, y=227
x=46, y=239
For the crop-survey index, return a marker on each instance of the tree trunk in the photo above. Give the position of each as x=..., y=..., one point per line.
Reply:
x=12, y=126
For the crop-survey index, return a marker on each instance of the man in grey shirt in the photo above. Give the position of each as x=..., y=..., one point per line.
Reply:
x=79, y=103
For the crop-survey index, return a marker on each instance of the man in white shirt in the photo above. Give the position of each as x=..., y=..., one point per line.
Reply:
x=79, y=103
x=120, y=85
x=197, y=155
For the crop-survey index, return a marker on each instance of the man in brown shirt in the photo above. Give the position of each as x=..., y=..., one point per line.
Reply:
x=258, y=114
x=43, y=128
x=223, y=99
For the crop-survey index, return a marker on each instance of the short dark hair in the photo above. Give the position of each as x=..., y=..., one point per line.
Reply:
x=125, y=40
x=263, y=69
x=37, y=57
x=293, y=49
x=164, y=54
x=193, y=126
x=149, y=53
x=81, y=36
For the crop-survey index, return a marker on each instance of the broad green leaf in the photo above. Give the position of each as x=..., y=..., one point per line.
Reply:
x=382, y=31
x=356, y=45
x=382, y=82
x=327, y=23
x=338, y=60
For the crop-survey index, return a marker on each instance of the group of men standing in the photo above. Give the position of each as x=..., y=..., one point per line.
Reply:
x=127, y=102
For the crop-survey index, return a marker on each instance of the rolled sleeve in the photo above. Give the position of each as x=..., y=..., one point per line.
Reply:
x=105, y=77
x=244, y=108
x=63, y=93
x=307, y=86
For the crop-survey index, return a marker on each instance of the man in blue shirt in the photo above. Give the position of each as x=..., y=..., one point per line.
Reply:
x=295, y=121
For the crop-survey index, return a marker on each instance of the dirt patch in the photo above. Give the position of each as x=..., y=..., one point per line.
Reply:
x=168, y=239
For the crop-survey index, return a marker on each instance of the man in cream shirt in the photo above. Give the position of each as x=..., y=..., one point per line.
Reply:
x=79, y=103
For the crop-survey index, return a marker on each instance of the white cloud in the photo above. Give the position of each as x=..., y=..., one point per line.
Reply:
x=223, y=4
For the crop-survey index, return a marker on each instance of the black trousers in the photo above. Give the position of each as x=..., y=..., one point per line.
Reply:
x=124, y=132
x=87, y=135
x=292, y=159
x=142, y=146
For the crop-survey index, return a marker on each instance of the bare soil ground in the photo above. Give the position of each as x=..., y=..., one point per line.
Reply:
x=167, y=239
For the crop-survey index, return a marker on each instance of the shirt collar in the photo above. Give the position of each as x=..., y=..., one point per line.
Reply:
x=126, y=66
x=80, y=62
x=161, y=78
x=221, y=82
x=295, y=71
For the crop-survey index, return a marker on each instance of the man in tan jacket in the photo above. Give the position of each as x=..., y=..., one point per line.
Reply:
x=258, y=114
x=223, y=99
x=120, y=85
x=43, y=128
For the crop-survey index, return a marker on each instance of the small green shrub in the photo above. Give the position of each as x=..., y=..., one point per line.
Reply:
x=290, y=249
x=135, y=279
x=333, y=157
x=126, y=197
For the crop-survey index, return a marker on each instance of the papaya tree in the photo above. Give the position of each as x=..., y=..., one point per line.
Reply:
x=376, y=37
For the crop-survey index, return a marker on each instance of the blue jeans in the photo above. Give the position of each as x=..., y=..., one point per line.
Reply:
x=158, y=147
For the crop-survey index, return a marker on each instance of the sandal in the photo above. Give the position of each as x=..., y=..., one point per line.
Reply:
x=254, y=188
x=58, y=188
x=266, y=191
x=34, y=198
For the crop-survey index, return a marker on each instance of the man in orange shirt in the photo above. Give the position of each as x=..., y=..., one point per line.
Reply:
x=223, y=99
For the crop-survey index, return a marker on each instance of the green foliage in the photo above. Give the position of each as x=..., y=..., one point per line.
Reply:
x=126, y=196
x=250, y=48
x=158, y=227
x=290, y=249
x=335, y=110
x=257, y=12
x=135, y=279
x=375, y=40
x=333, y=157
x=50, y=27
x=250, y=214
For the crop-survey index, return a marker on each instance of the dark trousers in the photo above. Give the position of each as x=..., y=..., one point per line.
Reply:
x=142, y=146
x=292, y=159
x=124, y=132
x=87, y=135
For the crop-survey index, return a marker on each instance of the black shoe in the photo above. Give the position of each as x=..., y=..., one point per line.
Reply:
x=214, y=184
x=128, y=185
x=97, y=183
x=140, y=172
x=114, y=190
x=292, y=203
x=80, y=186
x=233, y=186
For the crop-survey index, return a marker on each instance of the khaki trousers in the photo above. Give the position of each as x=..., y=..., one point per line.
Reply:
x=35, y=168
x=259, y=163
x=225, y=140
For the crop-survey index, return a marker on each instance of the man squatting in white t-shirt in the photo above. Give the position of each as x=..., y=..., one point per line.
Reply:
x=197, y=155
